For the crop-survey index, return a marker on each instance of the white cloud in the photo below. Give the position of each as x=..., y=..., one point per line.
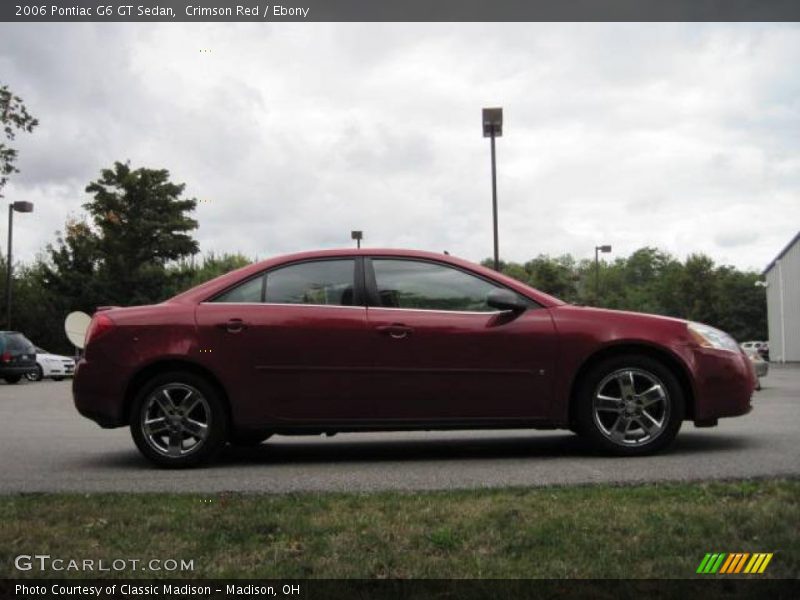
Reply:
x=682, y=136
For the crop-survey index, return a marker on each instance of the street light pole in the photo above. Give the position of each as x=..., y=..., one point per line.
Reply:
x=493, y=127
x=494, y=208
x=18, y=206
x=9, y=258
x=597, y=249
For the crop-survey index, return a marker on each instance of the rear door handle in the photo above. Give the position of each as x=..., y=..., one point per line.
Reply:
x=396, y=330
x=233, y=325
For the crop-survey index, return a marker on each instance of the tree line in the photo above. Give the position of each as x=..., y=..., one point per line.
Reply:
x=653, y=281
x=135, y=245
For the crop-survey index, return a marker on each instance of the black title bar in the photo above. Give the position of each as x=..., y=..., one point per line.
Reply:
x=732, y=588
x=399, y=10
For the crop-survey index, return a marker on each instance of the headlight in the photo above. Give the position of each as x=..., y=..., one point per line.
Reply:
x=710, y=337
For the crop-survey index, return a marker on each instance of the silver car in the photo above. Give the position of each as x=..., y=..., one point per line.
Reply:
x=760, y=366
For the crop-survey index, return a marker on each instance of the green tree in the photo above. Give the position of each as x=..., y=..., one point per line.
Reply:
x=39, y=313
x=72, y=272
x=14, y=117
x=187, y=274
x=556, y=276
x=139, y=225
x=740, y=305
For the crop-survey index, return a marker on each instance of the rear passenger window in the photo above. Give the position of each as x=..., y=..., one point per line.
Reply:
x=320, y=282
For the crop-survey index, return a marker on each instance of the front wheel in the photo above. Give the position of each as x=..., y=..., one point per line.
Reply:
x=630, y=405
x=36, y=375
x=178, y=420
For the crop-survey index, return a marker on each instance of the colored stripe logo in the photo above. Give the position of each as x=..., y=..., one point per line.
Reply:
x=733, y=563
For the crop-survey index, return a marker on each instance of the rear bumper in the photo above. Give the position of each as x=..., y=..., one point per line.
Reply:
x=98, y=394
x=17, y=370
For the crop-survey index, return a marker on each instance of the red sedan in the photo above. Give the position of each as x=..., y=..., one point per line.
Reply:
x=356, y=340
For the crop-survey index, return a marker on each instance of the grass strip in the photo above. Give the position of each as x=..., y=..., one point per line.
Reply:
x=658, y=530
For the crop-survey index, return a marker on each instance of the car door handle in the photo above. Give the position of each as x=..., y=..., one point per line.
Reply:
x=233, y=325
x=396, y=330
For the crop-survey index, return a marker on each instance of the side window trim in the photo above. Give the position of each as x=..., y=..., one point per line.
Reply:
x=371, y=284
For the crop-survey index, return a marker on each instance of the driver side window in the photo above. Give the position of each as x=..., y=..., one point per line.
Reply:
x=428, y=285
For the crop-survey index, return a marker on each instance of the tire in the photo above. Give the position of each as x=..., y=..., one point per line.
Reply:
x=37, y=376
x=248, y=439
x=12, y=378
x=630, y=424
x=58, y=379
x=188, y=422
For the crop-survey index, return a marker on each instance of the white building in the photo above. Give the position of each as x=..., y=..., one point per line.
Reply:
x=783, y=303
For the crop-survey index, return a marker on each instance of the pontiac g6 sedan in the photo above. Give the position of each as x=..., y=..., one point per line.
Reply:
x=378, y=340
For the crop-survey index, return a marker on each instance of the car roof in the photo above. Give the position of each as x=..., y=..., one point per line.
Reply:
x=209, y=288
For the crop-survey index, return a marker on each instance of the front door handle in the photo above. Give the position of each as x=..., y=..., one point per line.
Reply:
x=396, y=330
x=233, y=325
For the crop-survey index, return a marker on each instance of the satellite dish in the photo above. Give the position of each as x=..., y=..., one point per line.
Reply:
x=75, y=326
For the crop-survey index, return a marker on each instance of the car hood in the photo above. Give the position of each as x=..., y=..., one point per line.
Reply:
x=53, y=357
x=591, y=311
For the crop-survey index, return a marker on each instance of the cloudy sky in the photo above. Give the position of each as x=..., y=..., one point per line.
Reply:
x=681, y=136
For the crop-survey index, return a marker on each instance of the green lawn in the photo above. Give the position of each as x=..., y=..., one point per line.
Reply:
x=590, y=531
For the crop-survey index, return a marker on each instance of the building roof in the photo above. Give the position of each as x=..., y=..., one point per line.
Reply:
x=781, y=253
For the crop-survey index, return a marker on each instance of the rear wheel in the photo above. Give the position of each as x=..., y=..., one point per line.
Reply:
x=12, y=378
x=178, y=420
x=35, y=376
x=630, y=405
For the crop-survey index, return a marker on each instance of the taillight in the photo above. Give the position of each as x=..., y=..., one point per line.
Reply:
x=6, y=357
x=100, y=325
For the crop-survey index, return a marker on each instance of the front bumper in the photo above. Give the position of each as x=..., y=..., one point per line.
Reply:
x=10, y=370
x=58, y=370
x=724, y=383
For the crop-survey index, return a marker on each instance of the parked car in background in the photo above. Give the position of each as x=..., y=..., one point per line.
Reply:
x=760, y=366
x=358, y=340
x=54, y=366
x=17, y=356
x=761, y=347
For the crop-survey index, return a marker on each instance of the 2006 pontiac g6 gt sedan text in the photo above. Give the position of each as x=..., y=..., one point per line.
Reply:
x=355, y=340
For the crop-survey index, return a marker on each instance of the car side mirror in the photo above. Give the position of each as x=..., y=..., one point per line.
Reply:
x=503, y=299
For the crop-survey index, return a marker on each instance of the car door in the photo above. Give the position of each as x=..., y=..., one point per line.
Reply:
x=291, y=341
x=440, y=352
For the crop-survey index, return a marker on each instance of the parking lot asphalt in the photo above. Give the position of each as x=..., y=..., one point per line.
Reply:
x=45, y=446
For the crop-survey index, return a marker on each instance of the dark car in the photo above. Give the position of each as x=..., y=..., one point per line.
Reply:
x=356, y=340
x=17, y=356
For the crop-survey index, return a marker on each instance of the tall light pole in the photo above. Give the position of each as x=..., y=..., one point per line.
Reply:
x=357, y=236
x=605, y=248
x=23, y=207
x=493, y=127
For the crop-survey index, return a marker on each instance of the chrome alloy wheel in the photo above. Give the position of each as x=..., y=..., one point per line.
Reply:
x=176, y=420
x=631, y=407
